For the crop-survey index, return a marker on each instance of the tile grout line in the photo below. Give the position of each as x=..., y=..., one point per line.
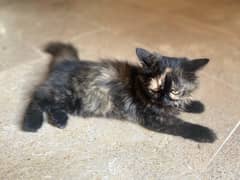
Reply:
x=38, y=51
x=225, y=141
x=22, y=64
x=86, y=34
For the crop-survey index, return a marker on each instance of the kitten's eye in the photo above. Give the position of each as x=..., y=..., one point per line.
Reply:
x=175, y=92
x=153, y=91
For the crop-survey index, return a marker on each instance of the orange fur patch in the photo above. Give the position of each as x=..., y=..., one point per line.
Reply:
x=156, y=83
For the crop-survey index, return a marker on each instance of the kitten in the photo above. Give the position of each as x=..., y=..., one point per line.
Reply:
x=151, y=95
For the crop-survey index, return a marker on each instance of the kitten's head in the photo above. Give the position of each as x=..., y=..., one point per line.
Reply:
x=168, y=81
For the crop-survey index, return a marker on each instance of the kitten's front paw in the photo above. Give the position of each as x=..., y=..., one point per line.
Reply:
x=59, y=119
x=201, y=134
x=195, y=107
x=210, y=136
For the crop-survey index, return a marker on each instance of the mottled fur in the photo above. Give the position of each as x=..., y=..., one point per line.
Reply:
x=119, y=90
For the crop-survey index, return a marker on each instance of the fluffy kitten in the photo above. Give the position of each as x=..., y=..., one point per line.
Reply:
x=151, y=94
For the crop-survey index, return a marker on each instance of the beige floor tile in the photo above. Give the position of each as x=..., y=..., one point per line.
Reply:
x=106, y=45
x=38, y=23
x=162, y=5
x=217, y=95
x=225, y=164
x=189, y=177
x=109, y=149
x=14, y=52
x=114, y=15
x=223, y=17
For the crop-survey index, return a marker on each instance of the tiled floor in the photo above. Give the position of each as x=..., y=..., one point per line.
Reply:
x=105, y=149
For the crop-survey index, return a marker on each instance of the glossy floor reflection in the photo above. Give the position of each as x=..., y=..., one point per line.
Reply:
x=104, y=149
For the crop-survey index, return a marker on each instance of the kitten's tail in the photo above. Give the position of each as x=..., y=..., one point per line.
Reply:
x=61, y=52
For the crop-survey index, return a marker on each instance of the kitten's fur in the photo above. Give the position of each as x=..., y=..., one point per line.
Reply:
x=151, y=94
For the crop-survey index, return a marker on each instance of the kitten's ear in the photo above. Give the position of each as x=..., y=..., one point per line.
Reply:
x=145, y=56
x=195, y=64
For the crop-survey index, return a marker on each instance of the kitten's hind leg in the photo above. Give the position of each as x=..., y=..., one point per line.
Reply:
x=58, y=117
x=40, y=102
x=44, y=101
x=52, y=101
x=33, y=118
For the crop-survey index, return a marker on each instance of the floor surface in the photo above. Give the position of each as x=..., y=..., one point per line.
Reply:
x=109, y=149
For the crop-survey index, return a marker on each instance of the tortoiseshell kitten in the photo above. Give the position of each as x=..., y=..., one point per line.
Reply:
x=151, y=95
